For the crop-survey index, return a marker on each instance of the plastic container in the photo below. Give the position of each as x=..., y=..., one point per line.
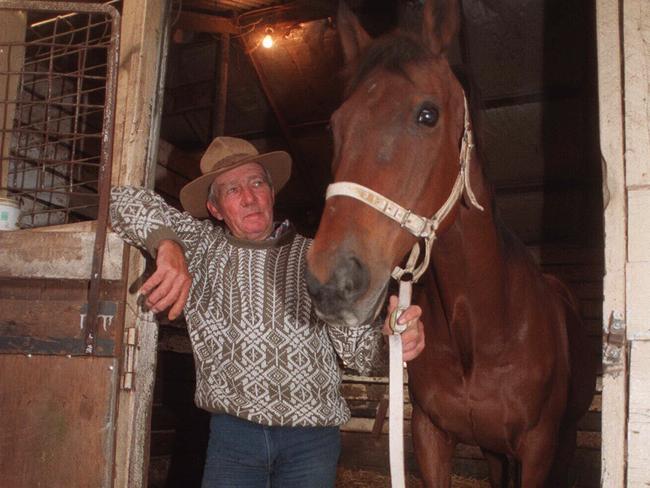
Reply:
x=9, y=214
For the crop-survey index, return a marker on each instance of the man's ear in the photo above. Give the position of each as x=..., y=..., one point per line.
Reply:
x=213, y=210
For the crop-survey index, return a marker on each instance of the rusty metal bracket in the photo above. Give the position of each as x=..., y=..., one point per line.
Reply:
x=614, y=341
x=128, y=367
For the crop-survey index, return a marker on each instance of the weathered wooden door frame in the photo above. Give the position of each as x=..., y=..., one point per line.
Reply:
x=610, y=84
x=145, y=35
x=624, y=79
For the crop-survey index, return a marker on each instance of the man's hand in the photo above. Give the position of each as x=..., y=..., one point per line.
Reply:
x=169, y=286
x=413, y=336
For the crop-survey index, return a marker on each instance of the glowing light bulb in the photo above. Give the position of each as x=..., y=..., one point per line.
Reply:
x=267, y=42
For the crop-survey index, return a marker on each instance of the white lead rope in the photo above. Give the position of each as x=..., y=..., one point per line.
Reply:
x=396, y=390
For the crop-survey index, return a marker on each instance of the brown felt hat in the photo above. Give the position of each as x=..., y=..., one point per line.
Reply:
x=224, y=154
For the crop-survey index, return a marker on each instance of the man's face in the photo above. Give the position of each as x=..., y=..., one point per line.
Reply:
x=244, y=202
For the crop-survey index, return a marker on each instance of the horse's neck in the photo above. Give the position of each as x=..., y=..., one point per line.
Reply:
x=470, y=265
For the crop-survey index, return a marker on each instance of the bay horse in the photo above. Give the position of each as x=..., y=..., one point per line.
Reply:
x=505, y=365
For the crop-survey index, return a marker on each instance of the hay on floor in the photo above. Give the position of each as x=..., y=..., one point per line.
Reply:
x=359, y=478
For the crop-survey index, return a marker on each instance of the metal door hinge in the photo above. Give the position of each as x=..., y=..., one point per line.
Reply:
x=614, y=341
x=128, y=367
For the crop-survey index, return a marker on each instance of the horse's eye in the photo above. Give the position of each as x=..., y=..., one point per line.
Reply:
x=428, y=116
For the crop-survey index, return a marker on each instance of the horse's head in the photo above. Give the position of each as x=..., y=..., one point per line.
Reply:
x=397, y=133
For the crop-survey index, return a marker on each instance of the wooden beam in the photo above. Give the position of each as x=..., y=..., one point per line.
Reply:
x=299, y=11
x=191, y=21
x=64, y=255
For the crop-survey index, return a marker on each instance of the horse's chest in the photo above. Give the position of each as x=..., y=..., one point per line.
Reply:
x=470, y=407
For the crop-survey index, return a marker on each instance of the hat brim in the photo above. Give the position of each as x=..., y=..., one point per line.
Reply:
x=194, y=195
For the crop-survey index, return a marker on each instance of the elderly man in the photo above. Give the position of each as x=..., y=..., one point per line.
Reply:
x=266, y=366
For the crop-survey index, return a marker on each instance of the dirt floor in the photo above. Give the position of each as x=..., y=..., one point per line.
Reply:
x=348, y=478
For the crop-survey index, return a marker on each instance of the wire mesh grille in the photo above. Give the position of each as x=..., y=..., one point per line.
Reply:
x=54, y=79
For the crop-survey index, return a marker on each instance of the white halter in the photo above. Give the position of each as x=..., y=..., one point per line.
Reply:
x=417, y=225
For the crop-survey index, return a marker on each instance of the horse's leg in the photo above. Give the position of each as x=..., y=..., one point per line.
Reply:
x=559, y=477
x=498, y=468
x=536, y=453
x=434, y=450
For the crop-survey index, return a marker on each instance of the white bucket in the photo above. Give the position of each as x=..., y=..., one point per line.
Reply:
x=9, y=214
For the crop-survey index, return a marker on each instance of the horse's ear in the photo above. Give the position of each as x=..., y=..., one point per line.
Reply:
x=354, y=38
x=440, y=23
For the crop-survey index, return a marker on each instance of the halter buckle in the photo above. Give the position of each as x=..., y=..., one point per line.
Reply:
x=405, y=218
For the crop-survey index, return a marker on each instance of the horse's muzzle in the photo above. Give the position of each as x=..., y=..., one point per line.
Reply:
x=336, y=299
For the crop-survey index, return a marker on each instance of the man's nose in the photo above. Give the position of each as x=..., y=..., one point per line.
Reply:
x=247, y=196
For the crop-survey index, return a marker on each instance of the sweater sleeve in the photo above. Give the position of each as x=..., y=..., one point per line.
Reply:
x=143, y=219
x=361, y=348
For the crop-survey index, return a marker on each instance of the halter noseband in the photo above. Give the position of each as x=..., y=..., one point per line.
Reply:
x=417, y=225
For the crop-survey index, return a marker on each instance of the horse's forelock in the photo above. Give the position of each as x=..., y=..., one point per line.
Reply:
x=393, y=53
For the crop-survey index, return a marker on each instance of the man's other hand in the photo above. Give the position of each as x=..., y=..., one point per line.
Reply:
x=413, y=336
x=169, y=286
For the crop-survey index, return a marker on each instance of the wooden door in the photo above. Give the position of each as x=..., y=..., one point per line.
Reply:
x=75, y=386
x=57, y=401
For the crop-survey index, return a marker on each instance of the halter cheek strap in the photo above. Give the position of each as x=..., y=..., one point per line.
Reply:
x=417, y=225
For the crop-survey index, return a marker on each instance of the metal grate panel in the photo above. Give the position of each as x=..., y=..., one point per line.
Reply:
x=57, y=76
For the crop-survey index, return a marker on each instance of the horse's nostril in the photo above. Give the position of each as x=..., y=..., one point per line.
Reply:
x=351, y=278
x=348, y=282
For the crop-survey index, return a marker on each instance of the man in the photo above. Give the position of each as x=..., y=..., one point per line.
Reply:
x=266, y=366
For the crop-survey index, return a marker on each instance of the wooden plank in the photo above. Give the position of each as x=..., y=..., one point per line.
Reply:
x=639, y=224
x=638, y=472
x=638, y=291
x=44, y=316
x=54, y=327
x=63, y=255
x=636, y=25
x=637, y=82
x=610, y=105
x=57, y=427
x=195, y=22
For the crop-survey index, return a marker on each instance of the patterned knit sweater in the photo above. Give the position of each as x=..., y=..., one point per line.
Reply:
x=260, y=351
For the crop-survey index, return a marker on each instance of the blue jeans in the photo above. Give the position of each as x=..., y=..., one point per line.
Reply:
x=244, y=454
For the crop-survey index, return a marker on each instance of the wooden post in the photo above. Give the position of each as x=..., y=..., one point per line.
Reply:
x=614, y=409
x=142, y=42
x=12, y=30
x=222, y=94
